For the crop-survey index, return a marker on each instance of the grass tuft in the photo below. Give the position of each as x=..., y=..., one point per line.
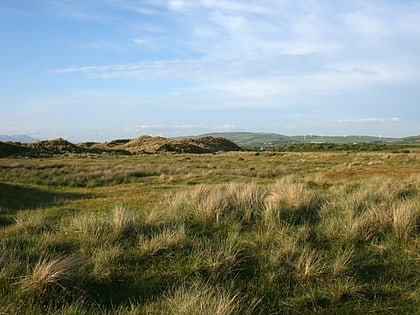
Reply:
x=123, y=219
x=52, y=273
x=202, y=299
x=296, y=203
x=309, y=264
x=405, y=216
x=162, y=240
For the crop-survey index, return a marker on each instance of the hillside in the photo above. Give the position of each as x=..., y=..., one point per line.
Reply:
x=249, y=139
x=143, y=144
x=245, y=139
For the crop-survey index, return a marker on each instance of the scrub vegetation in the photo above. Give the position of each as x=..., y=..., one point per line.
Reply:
x=226, y=233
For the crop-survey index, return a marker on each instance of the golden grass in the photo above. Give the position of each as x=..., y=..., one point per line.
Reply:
x=309, y=264
x=52, y=273
x=200, y=298
x=404, y=217
x=123, y=219
x=162, y=240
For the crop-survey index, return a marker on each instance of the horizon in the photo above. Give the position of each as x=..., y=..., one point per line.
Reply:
x=309, y=135
x=114, y=69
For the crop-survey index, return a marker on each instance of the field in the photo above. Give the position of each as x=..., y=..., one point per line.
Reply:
x=225, y=233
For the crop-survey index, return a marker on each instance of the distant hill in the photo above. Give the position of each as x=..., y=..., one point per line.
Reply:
x=245, y=139
x=406, y=140
x=148, y=144
x=141, y=145
x=17, y=138
x=251, y=139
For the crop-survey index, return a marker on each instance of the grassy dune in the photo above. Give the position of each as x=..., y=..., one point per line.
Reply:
x=232, y=233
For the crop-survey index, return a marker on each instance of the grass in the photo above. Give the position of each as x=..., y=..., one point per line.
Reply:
x=50, y=274
x=273, y=233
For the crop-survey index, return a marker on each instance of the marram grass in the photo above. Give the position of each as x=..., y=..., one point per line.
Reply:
x=225, y=243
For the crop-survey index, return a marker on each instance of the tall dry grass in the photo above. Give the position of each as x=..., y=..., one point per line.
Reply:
x=292, y=201
x=51, y=273
x=123, y=219
x=161, y=240
x=214, y=204
x=405, y=218
x=200, y=298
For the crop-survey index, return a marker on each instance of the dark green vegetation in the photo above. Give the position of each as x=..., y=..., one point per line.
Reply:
x=327, y=147
x=225, y=233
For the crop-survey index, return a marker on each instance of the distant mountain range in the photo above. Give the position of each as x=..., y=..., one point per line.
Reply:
x=17, y=138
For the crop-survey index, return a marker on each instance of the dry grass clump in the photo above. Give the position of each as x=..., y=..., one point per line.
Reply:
x=405, y=217
x=309, y=264
x=293, y=201
x=200, y=298
x=212, y=204
x=274, y=245
x=90, y=229
x=162, y=240
x=343, y=263
x=371, y=210
x=33, y=221
x=208, y=204
x=248, y=200
x=52, y=273
x=123, y=219
x=293, y=193
x=218, y=258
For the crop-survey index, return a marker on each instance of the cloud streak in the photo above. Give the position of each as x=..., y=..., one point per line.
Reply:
x=369, y=120
x=275, y=41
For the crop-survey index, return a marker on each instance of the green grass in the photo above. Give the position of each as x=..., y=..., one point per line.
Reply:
x=243, y=233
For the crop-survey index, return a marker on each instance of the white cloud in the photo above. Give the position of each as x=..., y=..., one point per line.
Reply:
x=138, y=41
x=182, y=129
x=247, y=40
x=99, y=45
x=168, y=127
x=176, y=5
x=225, y=128
x=367, y=25
x=369, y=120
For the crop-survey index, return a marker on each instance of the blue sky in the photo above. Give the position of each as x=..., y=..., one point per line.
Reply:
x=105, y=69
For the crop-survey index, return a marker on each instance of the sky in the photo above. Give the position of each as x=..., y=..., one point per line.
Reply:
x=97, y=70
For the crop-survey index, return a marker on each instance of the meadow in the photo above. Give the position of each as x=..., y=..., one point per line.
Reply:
x=225, y=233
